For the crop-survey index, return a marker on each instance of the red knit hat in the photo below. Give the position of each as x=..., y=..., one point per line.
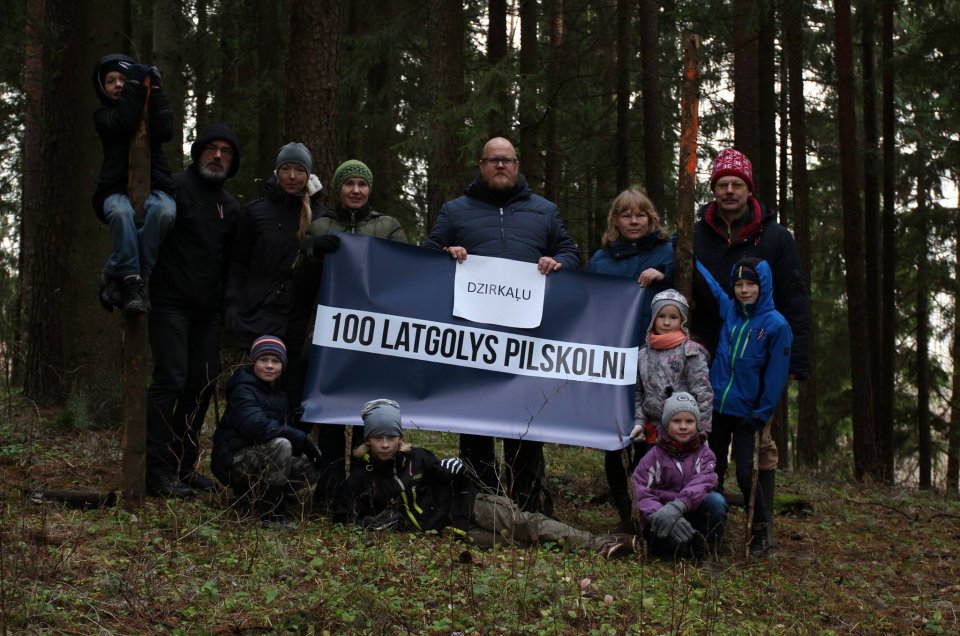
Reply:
x=732, y=163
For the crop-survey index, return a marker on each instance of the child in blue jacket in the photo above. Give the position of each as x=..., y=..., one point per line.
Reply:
x=748, y=374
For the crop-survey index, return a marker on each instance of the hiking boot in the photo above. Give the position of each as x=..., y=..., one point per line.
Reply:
x=196, y=481
x=135, y=299
x=618, y=546
x=758, y=539
x=165, y=485
x=278, y=520
x=110, y=294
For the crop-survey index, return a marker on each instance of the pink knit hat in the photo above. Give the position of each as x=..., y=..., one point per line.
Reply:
x=732, y=163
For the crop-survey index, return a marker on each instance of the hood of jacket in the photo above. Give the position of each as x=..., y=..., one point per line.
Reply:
x=764, y=302
x=210, y=133
x=114, y=59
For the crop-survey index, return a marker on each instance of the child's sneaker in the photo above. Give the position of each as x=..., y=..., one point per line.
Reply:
x=135, y=299
x=110, y=294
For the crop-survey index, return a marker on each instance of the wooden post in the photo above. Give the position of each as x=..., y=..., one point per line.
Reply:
x=689, y=129
x=752, y=497
x=135, y=351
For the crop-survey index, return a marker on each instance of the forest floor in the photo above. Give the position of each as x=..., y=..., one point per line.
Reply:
x=860, y=559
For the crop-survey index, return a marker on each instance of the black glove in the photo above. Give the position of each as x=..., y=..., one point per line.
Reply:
x=136, y=72
x=155, y=77
x=454, y=465
x=753, y=423
x=311, y=451
x=325, y=244
x=296, y=437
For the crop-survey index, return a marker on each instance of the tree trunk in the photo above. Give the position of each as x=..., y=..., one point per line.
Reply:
x=888, y=337
x=953, y=438
x=871, y=191
x=923, y=332
x=746, y=106
x=272, y=20
x=686, y=188
x=498, y=120
x=313, y=75
x=201, y=74
x=168, y=56
x=529, y=99
x=865, y=457
x=765, y=161
x=808, y=437
x=624, y=52
x=445, y=55
x=554, y=160
x=652, y=109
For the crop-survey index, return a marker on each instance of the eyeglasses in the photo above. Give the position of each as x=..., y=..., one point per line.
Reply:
x=495, y=161
x=226, y=151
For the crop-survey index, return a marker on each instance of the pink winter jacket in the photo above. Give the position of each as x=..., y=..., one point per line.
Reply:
x=660, y=478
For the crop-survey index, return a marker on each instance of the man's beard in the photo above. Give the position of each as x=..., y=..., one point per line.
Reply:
x=212, y=175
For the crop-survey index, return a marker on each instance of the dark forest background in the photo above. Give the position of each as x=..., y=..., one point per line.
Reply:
x=850, y=114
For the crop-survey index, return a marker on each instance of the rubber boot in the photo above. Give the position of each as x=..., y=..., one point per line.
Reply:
x=767, y=479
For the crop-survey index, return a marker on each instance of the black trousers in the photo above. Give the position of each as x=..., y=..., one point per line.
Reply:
x=523, y=474
x=619, y=466
x=186, y=361
x=727, y=428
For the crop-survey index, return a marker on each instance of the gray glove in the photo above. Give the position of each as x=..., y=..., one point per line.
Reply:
x=682, y=531
x=663, y=520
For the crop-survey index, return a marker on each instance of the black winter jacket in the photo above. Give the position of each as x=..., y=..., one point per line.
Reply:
x=260, y=287
x=413, y=487
x=523, y=227
x=116, y=122
x=764, y=239
x=256, y=413
x=192, y=263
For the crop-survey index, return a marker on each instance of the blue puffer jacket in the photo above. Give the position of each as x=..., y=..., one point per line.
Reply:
x=523, y=227
x=256, y=413
x=753, y=355
x=629, y=260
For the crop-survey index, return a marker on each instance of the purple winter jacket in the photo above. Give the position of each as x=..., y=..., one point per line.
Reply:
x=660, y=478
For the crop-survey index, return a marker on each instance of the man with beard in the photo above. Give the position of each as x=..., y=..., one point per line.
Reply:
x=186, y=292
x=499, y=215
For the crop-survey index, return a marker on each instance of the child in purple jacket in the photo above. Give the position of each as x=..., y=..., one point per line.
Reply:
x=674, y=484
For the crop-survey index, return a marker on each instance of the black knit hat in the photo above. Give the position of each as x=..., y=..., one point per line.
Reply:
x=107, y=63
x=745, y=269
x=212, y=133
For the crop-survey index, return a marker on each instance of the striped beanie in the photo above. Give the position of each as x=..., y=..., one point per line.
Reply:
x=268, y=345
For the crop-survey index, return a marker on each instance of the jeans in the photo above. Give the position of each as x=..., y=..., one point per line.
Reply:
x=725, y=429
x=135, y=249
x=186, y=362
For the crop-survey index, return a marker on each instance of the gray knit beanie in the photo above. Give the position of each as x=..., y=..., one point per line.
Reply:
x=295, y=152
x=670, y=297
x=680, y=402
x=381, y=418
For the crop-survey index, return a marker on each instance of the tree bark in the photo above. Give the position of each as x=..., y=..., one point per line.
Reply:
x=746, y=106
x=808, y=437
x=498, y=120
x=270, y=106
x=555, y=80
x=652, y=96
x=765, y=161
x=313, y=75
x=865, y=457
x=445, y=56
x=886, y=390
x=923, y=332
x=686, y=188
x=624, y=52
x=168, y=48
x=529, y=99
x=953, y=436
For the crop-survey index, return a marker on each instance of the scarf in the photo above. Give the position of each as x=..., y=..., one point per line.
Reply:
x=678, y=449
x=667, y=340
x=748, y=231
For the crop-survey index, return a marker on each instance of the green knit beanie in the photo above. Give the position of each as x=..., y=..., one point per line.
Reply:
x=351, y=168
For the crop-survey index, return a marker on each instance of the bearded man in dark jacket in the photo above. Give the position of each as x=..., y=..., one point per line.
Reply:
x=186, y=292
x=736, y=225
x=499, y=215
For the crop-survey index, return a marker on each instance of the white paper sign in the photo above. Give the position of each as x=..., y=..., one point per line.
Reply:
x=499, y=291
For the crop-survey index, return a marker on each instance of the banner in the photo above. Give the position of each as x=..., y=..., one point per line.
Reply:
x=385, y=328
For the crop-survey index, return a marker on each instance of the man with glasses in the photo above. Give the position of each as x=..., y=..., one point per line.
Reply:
x=186, y=292
x=499, y=215
x=733, y=226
